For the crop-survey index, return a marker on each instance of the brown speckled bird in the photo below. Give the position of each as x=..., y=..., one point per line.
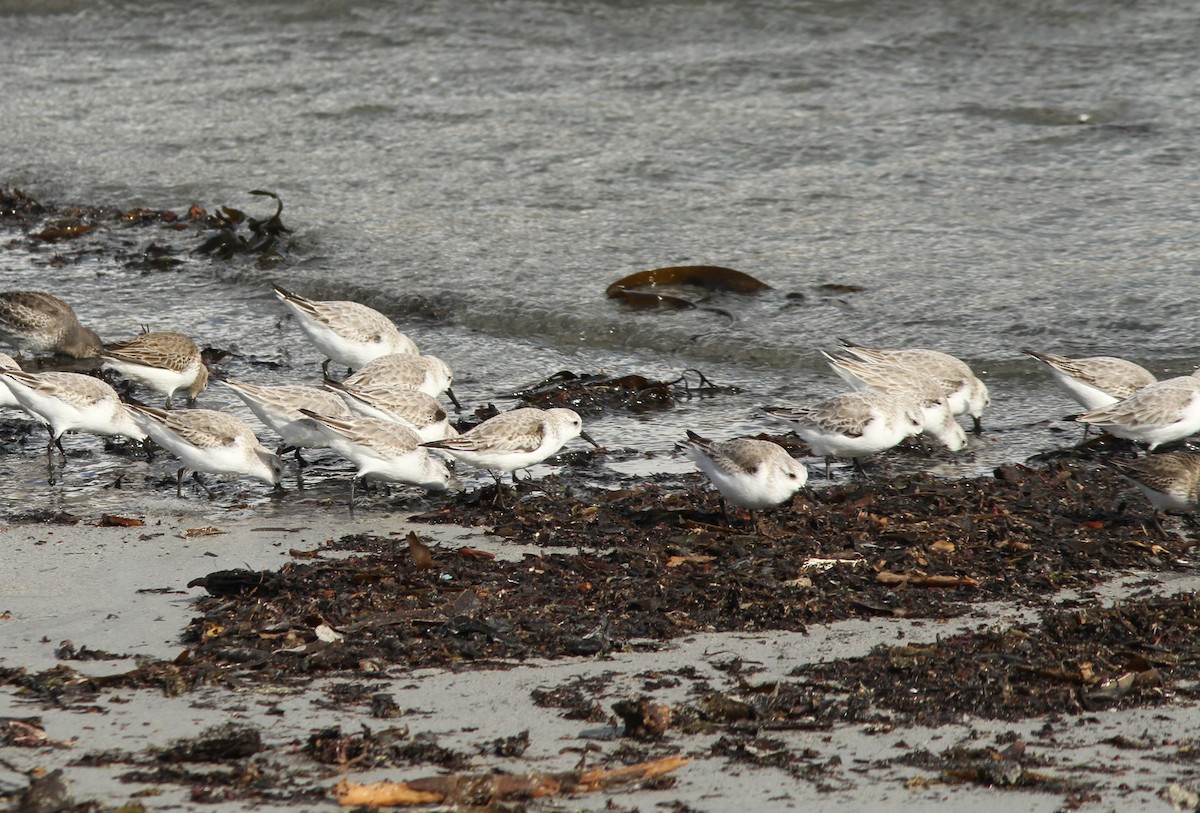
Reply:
x=32, y=320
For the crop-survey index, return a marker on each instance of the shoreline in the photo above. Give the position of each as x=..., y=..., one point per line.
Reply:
x=443, y=636
x=452, y=717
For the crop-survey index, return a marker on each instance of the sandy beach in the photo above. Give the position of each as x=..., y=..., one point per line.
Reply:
x=122, y=593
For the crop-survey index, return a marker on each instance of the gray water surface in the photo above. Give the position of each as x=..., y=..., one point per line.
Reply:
x=991, y=175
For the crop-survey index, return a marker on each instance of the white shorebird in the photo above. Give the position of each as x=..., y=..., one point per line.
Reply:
x=405, y=371
x=383, y=450
x=346, y=332
x=208, y=441
x=416, y=410
x=937, y=417
x=1158, y=413
x=1170, y=481
x=163, y=361
x=1095, y=381
x=7, y=399
x=853, y=424
x=32, y=320
x=279, y=408
x=966, y=394
x=749, y=473
x=71, y=402
x=514, y=440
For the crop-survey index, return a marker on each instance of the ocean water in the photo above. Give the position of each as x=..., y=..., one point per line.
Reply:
x=980, y=177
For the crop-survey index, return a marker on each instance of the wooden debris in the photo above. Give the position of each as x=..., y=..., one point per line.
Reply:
x=925, y=580
x=482, y=789
x=113, y=521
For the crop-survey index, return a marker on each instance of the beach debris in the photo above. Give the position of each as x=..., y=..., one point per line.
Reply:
x=206, y=530
x=27, y=732
x=1182, y=795
x=644, y=717
x=514, y=746
x=595, y=392
x=219, y=743
x=263, y=242
x=924, y=580
x=422, y=556
x=46, y=794
x=67, y=651
x=114, y=521
x=839, y=288
x=63, y=230
x=238, y=582
x=486, y=789
x=390, y=747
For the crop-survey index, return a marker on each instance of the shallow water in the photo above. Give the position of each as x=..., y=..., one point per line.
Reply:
x=993, y=176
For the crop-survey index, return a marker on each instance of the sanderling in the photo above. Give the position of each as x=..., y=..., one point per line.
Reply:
x=965, y=392
x=383, y=450
x=937, y=417
x=7, y=399
x=71, y=402
x=346, y=332
x=1095, y=381
x=164, y=362
x=279, y=409
x=1171, y=481
x=427, y=374
x=1158, y=413
x=853, y=424
x=416, y=410
x=32, y=320
x=208, y=441
x=750, y=473
x=515, y=440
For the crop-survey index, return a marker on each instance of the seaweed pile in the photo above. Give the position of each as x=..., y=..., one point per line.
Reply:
x=645, y=565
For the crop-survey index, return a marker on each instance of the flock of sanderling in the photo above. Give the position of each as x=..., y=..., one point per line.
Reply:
x=386, y=419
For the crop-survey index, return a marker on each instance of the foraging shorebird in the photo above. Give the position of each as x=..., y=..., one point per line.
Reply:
x=1158, y=413
x=405, y=371
x=967, y=395
x=346, y=332
x=279, y=408
x=163, y=361
x=514, y=440
x=33, y=320
x=383, y=450
x=752, y=474
x=1170, y=481
x=205, y=440
x=71, y=402
x=412, y=408
x=7, y=399
x=853, y=424
x=929, y=396
x=1095, y=381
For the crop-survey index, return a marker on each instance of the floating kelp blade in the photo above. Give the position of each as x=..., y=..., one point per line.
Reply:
x=709, y=277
